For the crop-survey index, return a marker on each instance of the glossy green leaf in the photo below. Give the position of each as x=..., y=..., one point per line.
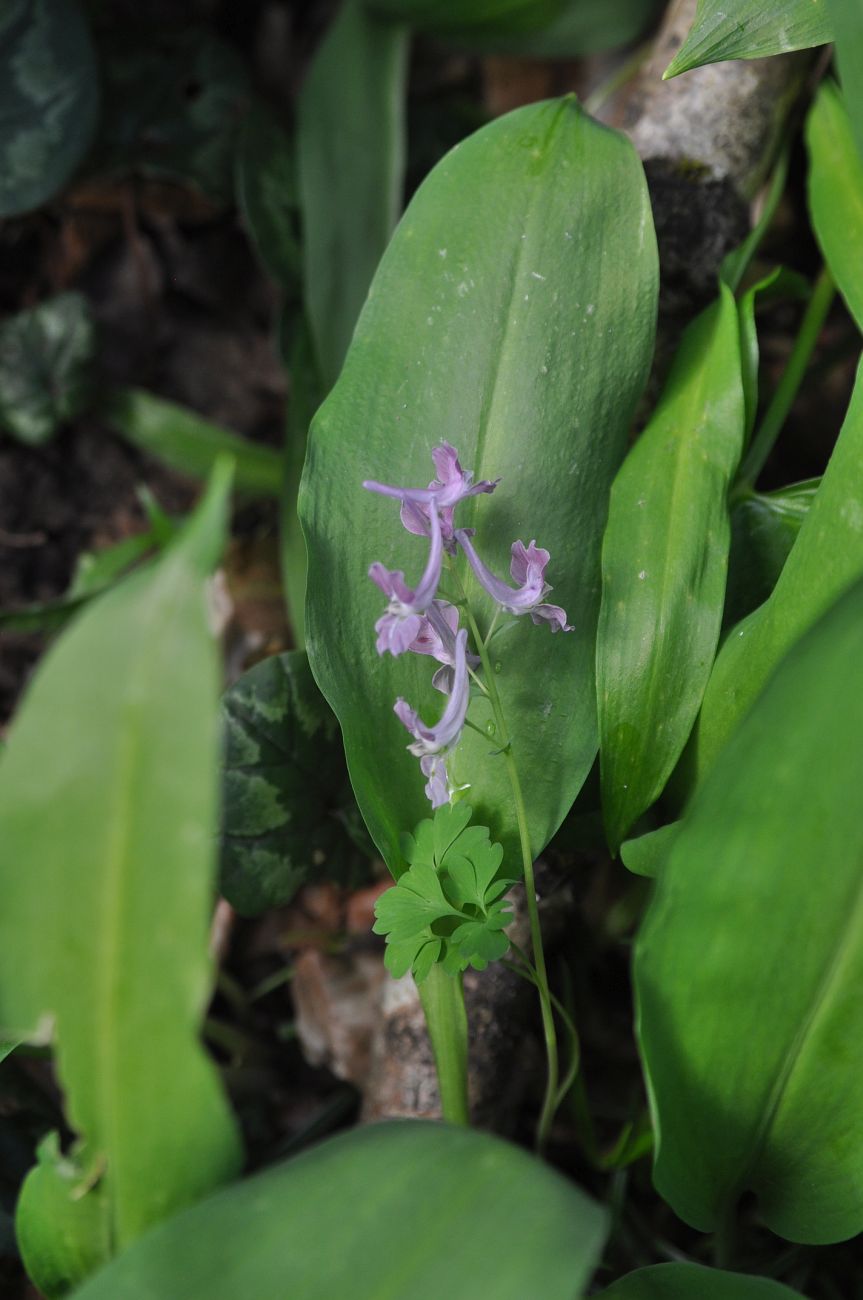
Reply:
x=189, y=443
x=267, y=196
x=692, y=1282
x=751, y=29
x=825, y=559
x=287, y=804
x=664, y=562
x=351, y=146
x=45, y=367
x=513, y=315
x=108, y=805
x=408, y=1209
x=836, y=194
x=846, y=19
x=174, y=104
x=49, y=98
x=764, y=527
x=780, y=283
x=749, y=962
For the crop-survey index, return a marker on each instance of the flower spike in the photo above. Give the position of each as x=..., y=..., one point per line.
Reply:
x=452, y=484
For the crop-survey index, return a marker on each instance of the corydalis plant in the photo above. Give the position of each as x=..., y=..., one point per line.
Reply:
x=417, y=620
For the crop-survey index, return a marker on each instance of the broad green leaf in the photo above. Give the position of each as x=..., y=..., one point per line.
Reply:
x=836, y=194
x=664, y=563
x=751, y=29
x=189, y=443
x=580, y=27
x=749, y=963
x=351, y=146
x=267, y=196
x=846, y=19
x=49, y=98
x=174, y=104
x=406, y=1209
x=504, y=17
x=825, y=559
x=45, y=367
x=287, y=805
x=692, y=1282
x=108, y=805
x=512, y=316
x=764, y=527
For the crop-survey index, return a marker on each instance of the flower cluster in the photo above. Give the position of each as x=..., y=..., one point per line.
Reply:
x=417, y=620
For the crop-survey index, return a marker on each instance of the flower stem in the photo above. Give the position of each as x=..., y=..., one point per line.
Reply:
x=550, y=1101
x=442, y=998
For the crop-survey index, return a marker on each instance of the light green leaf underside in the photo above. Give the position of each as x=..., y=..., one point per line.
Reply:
x=692, y=1282
x=408, y=1209
x=836, y=194
x=751, y=29
x=664, y=561
x=351, y=147
x=512, y=315
x=750, y=960
x=107, y=803
x=826, y=557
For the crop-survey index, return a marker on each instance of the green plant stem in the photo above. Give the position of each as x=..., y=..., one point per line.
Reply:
x=736, y=264
x=550, y=1101
x=442, y=998
x=783, y=399
x=528, y=972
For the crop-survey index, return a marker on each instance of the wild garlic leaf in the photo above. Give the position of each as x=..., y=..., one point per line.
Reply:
x=446, y=907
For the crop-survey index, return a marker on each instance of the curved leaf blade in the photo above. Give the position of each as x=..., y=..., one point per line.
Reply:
x=664, y=565
x=513, y=314
x=49, y=99
x=692, y=1282
x=836, y=193
x=473, y=17
x=108, y=803
x=753, y=1060
x=751, y=29
x=764, y=527
x=412, y=1209
x=826, y=557
x=351, y=147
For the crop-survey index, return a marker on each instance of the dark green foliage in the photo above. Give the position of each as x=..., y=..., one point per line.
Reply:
x=447, y=907
x=45, y=367
x=288, y=814
x=49, y=97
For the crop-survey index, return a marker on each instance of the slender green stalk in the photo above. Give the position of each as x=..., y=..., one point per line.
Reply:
x=618, y=78
x=783, y=399
x=442, y=998
x=736, y=264
x=550, y=1101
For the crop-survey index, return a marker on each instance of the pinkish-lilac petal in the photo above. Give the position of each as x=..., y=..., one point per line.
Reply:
x=443, y=679
x=528, y=563
x=396, y=633
x=552, y=614
x=433, y=766
x=436, y=634
x=445, y=733
x=402, y=621
x=391, y=582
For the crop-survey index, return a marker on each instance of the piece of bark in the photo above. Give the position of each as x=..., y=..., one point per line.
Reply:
x=707, y=139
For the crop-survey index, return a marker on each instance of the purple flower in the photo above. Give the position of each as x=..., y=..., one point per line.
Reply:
x=527, y=568
x=451, y=485
x=432, y=744
x=437, y=637
x=402, y=622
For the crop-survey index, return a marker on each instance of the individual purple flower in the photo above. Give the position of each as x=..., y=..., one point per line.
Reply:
x=434, y=743
x=403, y=620
x=437, y=637
x=452, y=484
x=527, y=568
